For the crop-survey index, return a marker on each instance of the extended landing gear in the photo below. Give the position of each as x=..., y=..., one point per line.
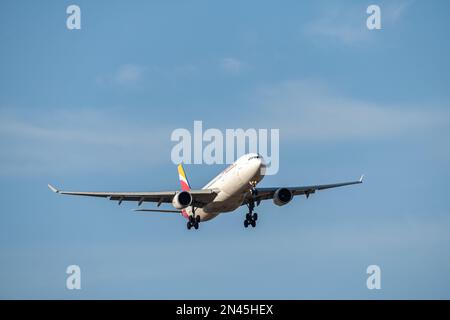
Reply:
x=250, y=217
x=193, y=221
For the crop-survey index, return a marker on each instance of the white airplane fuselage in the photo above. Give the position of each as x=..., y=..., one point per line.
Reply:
x=233, y=184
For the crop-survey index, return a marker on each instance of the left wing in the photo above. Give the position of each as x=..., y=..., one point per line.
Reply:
x=268, y=193
x=200, y=197
x=158, y=210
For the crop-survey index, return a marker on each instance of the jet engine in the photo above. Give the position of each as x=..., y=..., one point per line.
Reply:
x=182, y=200
x=282, y=196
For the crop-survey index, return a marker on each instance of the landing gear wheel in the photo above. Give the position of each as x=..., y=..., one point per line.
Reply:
x=193, y=221
x=255, y=216
x=253, y=223
x=246, y=223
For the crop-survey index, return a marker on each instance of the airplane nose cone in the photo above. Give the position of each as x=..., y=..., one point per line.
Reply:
x=259, y=166
x=261, y=160
x=253, y=169
x=262, y=165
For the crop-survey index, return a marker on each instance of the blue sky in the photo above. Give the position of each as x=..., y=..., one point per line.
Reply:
x=93, y=109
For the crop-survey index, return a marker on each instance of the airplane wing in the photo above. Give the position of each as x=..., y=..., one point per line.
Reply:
x=268, y=193
x=200, y=197
x=157, y=210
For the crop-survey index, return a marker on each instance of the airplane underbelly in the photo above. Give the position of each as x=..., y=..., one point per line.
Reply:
x=224, y=203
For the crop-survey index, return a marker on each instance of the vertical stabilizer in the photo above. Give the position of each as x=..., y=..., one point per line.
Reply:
x=185, y=186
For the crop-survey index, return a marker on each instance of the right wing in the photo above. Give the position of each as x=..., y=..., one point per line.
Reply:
x=268, y=193
x=200, y=197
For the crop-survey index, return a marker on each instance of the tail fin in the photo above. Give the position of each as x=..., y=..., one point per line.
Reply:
x=185, y=186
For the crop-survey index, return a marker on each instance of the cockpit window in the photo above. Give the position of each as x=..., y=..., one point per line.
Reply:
x=254, y=157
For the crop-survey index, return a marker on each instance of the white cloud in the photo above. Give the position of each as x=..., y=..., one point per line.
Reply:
x=346, y=33
x=128, y=74
x=393, y=11
x=135, y=76
x=312, y=112
x=84, y=140
x=231, y=66
x=347, y=23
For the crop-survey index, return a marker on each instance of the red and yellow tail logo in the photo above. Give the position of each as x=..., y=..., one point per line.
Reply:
x=185, y=186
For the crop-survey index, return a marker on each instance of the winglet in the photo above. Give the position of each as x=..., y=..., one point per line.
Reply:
x=361, y=179
x=53, y=188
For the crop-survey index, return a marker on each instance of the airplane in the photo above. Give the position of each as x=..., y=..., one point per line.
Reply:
x=233, y=187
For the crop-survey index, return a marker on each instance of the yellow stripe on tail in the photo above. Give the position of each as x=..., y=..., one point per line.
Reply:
x=185, y=186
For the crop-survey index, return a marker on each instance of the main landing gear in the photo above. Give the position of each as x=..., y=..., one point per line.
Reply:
x=250, y=217
x=193, y=220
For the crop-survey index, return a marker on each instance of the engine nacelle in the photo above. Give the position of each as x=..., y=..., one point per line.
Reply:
x=282, y=196
x=182, y=200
